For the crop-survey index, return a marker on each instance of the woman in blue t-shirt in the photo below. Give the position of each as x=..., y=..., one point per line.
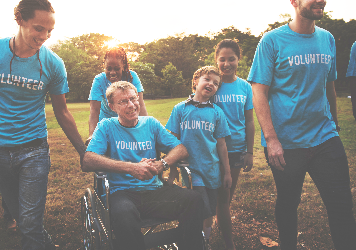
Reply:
x=234, y=97
x=116, y=68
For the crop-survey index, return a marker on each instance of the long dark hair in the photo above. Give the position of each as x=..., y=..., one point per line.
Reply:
x=228, y=43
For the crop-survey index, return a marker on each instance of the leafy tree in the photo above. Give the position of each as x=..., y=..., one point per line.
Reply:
x=150, y=82
x=286, y=18
x=94, y=44
x=83, y=57
x=173, y=80
x=133, y=50
x=177, y=50
x=80, y=74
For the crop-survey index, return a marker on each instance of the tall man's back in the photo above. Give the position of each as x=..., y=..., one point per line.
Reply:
x=292, y=77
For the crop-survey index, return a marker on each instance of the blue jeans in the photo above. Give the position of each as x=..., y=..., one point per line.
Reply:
x=128, y=207
x=23, y=184
x=328, y=167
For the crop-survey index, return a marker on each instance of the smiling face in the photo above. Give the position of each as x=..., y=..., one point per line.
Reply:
x=227, y=62
x=113, y=68
x=35, y=31
x=206, y=86
x=125, y=104
x=311, y=9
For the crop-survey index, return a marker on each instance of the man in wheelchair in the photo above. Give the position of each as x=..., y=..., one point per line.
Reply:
x=125, y=148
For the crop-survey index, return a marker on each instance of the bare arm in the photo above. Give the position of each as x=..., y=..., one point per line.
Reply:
x=263, y=112
x=93, y=118
x=143, y=111
x=176, y=154
x=67, y=123
x=224, y=162
x=173, y=172
x=331, y=95
x=142, y=170
x=250, y=139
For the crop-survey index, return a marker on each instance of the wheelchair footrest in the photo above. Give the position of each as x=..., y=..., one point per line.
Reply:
x=161, y=238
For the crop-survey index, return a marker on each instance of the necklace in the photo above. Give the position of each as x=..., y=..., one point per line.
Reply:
x=13, y=56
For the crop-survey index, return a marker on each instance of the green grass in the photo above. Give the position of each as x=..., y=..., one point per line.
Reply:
x=252, y=205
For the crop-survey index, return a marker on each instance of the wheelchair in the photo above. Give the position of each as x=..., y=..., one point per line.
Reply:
x=95, y=213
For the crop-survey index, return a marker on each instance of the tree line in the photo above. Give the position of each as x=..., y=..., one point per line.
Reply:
x=166, y=66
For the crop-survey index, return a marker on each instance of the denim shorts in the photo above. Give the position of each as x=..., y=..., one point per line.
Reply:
x=236, y=159
x=210, y=197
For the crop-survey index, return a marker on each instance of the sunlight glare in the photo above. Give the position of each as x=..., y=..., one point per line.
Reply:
x=112, y=43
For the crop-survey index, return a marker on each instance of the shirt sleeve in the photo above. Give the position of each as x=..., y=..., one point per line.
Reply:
x=59, y=83
x=249, y=103
x=174, y=120
x=263, y=63
x=351, y=70
x=95, y=91
x=332, y=76
x=222, y=127
x=136, y=81
x=99, y=141
x=165, y=140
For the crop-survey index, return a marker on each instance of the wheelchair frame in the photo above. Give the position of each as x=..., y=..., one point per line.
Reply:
x=97, y=233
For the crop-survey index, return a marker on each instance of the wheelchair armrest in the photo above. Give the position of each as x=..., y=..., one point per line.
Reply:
x=100, y=175
x=101, y=185
x=186, y=174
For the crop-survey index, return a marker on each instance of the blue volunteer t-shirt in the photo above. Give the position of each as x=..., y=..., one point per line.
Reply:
x=22, y=94
x=112, y=139
x=297, y=68
x=351, y=70
x=98, y=92
x=234, y=98
x=198, y=129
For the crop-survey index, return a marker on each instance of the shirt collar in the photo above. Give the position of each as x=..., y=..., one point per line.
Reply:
x=190, y=100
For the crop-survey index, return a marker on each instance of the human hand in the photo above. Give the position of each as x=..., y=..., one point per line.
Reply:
x=227, y=181
x=248, y=162
x=173, y=174
x=144, y=170
x=275, y=154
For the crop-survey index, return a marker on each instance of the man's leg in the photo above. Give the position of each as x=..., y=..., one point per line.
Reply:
x=330, y=173
x=32, y=166
x=177, y=203
x=289, y=183
x=9, y=220
x=8, y=187
x=353, y=96
x=125, y=220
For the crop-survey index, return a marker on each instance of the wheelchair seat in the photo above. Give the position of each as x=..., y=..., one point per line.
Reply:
x=97, y=233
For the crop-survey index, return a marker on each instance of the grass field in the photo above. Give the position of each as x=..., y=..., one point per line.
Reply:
x=252, y=206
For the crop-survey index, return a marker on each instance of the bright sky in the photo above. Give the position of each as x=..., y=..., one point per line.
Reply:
x=143, y=21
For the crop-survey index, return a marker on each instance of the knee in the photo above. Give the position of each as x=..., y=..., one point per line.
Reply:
x=124, y=212
x=195, y=199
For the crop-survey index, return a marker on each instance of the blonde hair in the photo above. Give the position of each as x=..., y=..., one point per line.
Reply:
x=120, y=85
x=204, y=71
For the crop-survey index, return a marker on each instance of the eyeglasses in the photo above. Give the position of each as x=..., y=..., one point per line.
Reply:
x=13, y=56
x=124, y=103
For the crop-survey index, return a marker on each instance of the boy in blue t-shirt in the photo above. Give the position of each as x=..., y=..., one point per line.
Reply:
x=202, y=127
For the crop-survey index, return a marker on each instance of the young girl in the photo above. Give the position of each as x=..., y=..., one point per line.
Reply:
x=234, y=97
x=116, y=68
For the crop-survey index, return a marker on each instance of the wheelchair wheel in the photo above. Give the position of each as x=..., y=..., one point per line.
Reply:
x=87, y=219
